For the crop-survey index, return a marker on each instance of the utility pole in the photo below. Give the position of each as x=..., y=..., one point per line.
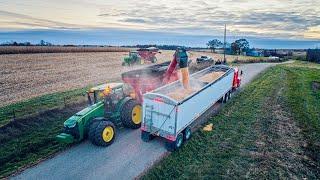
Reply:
x=224, y=44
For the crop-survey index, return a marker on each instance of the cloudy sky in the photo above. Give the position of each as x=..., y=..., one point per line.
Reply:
x=278, y=19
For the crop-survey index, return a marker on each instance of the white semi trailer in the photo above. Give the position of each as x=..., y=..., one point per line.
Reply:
x=169, y=111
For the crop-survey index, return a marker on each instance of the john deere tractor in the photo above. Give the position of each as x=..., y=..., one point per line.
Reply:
x=133, y=58
x=110, y=105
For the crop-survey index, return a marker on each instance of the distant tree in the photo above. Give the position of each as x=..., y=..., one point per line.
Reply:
x=213, y=44
x=42, y=43
x=235, y=49
x=313, y=55
x=243, y=45
x=27, y=44
x=240, y=45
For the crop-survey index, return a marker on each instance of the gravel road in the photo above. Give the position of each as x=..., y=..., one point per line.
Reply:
x=125, y=159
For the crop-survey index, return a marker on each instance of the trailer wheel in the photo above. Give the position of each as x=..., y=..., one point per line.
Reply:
x=226, y=97
x=146, y=136
x=187, y=134
x=131, y=114
x=229, y=94
x=174, y=145
x=102, y=133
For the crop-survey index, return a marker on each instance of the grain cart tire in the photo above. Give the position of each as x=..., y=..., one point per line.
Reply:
x=187, y=134
x=175, y=145
x=131, y=114
x=102, y=133
x=146, y=136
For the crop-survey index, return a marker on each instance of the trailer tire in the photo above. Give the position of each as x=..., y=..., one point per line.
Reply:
x=175, y=145
x=102, y=133
x=221, y=100
x=131, y=114
x=146, y=136
x=187, y=134
x=226, y=97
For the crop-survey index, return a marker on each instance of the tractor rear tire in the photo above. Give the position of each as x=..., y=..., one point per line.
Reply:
x=102, y=133
x=131, y=114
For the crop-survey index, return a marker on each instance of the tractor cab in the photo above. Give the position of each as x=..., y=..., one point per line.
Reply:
x=133, y=53
x=99, y=93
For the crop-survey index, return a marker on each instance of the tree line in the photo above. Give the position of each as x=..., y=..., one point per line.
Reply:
x=236, y=47
x=313, y=55
x=15, y=43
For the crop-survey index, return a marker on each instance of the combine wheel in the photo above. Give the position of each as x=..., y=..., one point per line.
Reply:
x=131, y=114
x=102, y=133
x=174, y=145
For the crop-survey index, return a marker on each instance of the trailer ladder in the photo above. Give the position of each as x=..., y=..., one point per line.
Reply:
x=148, y=116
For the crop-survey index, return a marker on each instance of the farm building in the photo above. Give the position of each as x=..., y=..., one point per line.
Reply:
x=254, y=53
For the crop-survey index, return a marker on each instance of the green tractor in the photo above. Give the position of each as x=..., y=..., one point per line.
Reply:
x=110, y=105
x=133, y=58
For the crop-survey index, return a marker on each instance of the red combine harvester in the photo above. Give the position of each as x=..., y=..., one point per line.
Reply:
x=149, y=54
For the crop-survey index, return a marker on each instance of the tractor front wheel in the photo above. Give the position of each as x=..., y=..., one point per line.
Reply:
x=102, y=133
x=131, y=114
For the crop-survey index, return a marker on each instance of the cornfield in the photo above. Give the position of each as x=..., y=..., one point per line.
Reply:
x=57, y=49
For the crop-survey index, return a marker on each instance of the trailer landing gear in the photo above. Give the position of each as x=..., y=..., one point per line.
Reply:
x=146, y=136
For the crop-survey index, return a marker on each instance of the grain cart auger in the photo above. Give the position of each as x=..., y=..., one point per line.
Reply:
x=109, y=105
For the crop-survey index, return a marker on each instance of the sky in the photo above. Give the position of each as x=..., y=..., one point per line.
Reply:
x=293, y=23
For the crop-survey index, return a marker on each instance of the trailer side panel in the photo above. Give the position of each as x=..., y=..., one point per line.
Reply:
x=191, y=109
